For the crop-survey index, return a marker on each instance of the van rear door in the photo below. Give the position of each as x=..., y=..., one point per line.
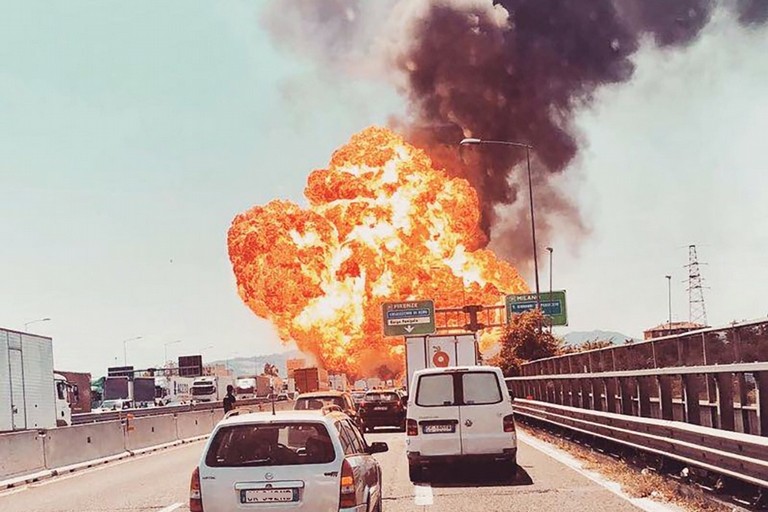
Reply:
x=485, y=403
x=437, y=414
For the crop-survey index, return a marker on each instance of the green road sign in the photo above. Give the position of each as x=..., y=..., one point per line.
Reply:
x=552, y=305
x=409, y=318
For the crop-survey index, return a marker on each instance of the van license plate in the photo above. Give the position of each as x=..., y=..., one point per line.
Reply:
x=380, y=408
x=268, y=495
x=440, y=428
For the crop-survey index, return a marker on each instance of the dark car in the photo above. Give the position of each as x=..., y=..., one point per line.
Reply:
x=320, y=399
x=382, y=408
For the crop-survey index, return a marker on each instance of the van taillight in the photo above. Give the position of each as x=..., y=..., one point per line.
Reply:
x=411, y=427
x=509, y=423
x=195, y=496
x=347, y=492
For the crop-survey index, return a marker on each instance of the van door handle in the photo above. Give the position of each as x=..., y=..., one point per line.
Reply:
x=468, y=423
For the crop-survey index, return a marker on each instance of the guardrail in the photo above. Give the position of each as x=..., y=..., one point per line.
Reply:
x=714, y=417
x=96, y=417
x=744, y=342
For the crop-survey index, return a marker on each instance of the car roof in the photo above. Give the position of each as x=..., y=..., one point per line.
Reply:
x=319, y=394
x=250, y=418
x=477, y=368
x=381, y=391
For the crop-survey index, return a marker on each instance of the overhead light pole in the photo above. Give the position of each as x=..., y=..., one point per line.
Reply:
x=528, y=148
x=165, y=348
x=27, y=324
x=125, y=348
x=551, y=250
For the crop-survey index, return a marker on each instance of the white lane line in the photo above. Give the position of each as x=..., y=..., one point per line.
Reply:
x=170, y=508
x=572, y=462
x=422, y=494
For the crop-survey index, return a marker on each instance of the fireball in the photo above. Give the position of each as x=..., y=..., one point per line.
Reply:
x=382, y=225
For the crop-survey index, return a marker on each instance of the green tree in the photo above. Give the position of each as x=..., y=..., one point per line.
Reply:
x=524, y=340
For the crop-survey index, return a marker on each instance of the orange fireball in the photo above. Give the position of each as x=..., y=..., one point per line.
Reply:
x=382, y=225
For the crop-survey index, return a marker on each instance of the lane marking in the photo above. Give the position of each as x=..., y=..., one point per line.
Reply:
x=422, y=494
x=646, y=504
x=170, y=508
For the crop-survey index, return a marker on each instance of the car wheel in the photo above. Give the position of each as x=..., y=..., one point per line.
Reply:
x=415, y=472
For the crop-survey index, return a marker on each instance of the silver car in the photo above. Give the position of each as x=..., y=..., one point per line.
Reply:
x=292, y=460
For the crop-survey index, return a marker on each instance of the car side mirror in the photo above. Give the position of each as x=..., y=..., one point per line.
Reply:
x=378, y=447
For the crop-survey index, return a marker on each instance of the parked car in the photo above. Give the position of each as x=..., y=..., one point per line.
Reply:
x=114, y=405
x=314, y=459
x=459, y=414
x=382, y=408
x=320, y=399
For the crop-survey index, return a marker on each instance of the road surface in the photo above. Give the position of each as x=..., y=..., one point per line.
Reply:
x=159, y=482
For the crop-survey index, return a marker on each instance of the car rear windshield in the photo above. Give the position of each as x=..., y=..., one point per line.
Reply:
x=318, y=402
x=273, y=444
x=381, y=397
x=458, y=388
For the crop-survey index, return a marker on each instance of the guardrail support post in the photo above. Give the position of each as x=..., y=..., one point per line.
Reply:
x=665, y=397
x=626, y=384
x=725, y=401
x=644, y=385
x=741, y=381
x=597, y=394
x=610, y=394
x=585, y=394
x=761, y=386
x=691, y=389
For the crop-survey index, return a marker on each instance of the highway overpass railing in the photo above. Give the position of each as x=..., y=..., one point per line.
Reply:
x=707, y=406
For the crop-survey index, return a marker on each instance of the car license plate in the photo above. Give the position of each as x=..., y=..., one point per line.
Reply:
x=268, y=495
x=380, y=408
x=439, y=428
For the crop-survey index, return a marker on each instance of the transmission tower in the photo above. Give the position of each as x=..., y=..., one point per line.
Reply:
x=697, y=311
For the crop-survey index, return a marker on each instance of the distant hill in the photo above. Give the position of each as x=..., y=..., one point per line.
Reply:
x=255, y=364
x=579, y=337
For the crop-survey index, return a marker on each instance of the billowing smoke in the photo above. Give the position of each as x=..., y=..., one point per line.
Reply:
x=509, y=70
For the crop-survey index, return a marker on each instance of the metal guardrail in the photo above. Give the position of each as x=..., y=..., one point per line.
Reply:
x=96, y=417
x=744, y=342
x=711, y=416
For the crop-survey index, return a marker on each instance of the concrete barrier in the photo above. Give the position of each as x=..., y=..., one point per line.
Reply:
x=193, y=424
x=70, y=445
x=150, y=431
x=21, y=453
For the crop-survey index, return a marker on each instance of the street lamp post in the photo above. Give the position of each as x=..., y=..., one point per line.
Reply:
x=669, y=302
x=165, y=348
x=551, y=250
x=27, y=324
x=125, y=349
x=528, y=147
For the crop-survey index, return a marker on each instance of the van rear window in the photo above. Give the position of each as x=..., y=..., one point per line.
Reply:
x=435, y=390
x=480, y=388
x=271, y=444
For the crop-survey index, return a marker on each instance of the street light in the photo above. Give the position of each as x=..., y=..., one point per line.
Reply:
x=27, y=324
x=551, y=250
x=165, y=348
x=528, y=148
x=125, y=349
x=669, y=286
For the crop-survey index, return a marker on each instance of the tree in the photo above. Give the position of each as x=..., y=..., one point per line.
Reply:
x=587, y=345
x=524, y=340
x=270, y=369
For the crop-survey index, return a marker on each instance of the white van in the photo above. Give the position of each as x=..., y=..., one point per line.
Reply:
x=459, y=413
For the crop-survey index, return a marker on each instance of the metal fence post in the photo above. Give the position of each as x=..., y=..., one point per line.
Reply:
x=610, y=394
x=725, y=401
x=665, y=397
x=626, y=385
x=761, y=386
x=691, y=389
x=644, y=386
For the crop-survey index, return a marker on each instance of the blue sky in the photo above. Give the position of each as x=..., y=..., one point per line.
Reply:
x=133, y=132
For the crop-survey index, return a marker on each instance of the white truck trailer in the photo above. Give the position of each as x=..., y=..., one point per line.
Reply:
x=31, y=397
x=211, y=388
x=439, y=351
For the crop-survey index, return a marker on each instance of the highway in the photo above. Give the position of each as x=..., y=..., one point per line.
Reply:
x=160, y=481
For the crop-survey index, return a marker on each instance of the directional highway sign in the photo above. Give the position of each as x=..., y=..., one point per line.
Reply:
x=407, y=318
x=552, y=305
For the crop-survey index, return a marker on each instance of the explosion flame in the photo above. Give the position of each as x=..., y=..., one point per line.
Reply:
x=382, y=225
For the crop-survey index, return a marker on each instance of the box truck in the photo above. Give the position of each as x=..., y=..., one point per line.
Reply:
x=31, y=395
x=211, y=388
x=311, y=379
x=439, y=351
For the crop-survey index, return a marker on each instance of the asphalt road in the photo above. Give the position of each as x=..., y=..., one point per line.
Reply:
x=160, y=482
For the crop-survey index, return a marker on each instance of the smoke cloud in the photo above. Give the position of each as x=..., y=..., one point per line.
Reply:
x=513, y=70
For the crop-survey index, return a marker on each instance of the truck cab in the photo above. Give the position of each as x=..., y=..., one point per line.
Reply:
x=65, y=394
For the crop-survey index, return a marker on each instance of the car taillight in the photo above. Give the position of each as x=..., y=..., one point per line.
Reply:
x=411, y=427
x=362, y=404
x=509, y=423
x=347, y=491
x=195, y=496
